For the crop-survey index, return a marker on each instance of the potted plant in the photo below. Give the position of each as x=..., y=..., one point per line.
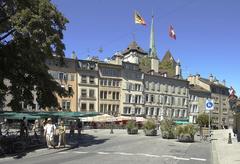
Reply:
x=132, y=128
x=185, y=133
x=167, y=129
x=150, y=128
x=203, y=121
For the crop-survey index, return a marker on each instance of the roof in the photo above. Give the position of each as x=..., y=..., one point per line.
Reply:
x=170, y=78
x=207, y=81
x=169, y=58
x=55, y=64
x=133, y=46
x=197, y=88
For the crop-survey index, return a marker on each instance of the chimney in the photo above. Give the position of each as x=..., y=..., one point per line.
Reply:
x=154, y=64
x=211, y=78
x=224, y=82
x=178, y=70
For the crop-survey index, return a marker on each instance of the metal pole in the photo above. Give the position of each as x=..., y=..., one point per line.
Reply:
x=209, y=125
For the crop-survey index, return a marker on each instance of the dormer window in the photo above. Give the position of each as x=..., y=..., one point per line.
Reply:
x=92, y=66
x=84, y=66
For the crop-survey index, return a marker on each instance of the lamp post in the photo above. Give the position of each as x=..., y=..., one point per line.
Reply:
x=111, y=128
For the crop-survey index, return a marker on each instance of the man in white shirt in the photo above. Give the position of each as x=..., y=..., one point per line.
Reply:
x=49, y=131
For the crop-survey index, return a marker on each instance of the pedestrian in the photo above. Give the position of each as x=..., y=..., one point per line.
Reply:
x=25, y=123
x=36, y=129
x=49, y=132
x=79, y=127
x=62, y=133
x=71, y=130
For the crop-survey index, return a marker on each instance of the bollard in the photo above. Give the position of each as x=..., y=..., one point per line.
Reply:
x=229, y=138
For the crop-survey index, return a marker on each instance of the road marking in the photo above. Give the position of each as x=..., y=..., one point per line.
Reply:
x=102, y=153
x=122, y=153
x=62, y=152
x=198, y=159
x=168, y=156
x=81, y=152
x=39, y=150
x=148, y=155
x=180, y=158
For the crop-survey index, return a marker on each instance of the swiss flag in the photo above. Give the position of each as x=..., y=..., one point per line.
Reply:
x=172, y=33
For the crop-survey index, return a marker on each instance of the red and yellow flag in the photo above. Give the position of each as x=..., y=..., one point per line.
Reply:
x=138, y=19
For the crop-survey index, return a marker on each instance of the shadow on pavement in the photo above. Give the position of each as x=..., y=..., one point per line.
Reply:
x=86, y=140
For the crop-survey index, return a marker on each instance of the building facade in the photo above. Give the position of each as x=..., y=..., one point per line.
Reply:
x=88, y=86
x=165, y=97
x=132, y=90
x=221, y=115
x=197, y=101
x=65, y=75
x=110, y=82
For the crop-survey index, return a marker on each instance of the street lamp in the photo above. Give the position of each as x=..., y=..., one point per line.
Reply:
x=111, y=128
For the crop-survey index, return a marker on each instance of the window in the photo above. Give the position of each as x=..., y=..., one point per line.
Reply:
x=157, y=113
x=91, y=107
x=114, y=83
x=101, y=82
x=84, y=107
x=109, y=82
x=65, y=76
x=92, y=66
x=72, y=78
x=173, y=89
x=84, y=79
x=146, y=85
x=101, y=108
x=105, y=95
x=84, y=65
x=101, y=94
x=166, y=88
x=173, y=100
x=84, y=93
x=60, y=76
x=128, y=98
x=146, y=97
x=152, y=99
x=66, y=105
x=114, y=95
x=91, y=93
x=70, y=90
x=117, y=84
x=105, y=82
x=91, y=80
x=127, y=110
x=117, y=95
x=151, y=111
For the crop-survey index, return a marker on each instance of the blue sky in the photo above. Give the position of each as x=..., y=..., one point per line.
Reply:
x=207, y=32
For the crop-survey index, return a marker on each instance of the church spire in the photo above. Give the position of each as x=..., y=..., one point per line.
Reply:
x=152, y=50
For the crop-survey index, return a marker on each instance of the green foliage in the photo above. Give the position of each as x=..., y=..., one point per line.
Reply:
x=202, y=119
x=30, y=32
x=131, y=124
x=149, y=125
x=168, y=64
x=132, y=127
x=188, y=129
x=145, y=62
x=167, y=128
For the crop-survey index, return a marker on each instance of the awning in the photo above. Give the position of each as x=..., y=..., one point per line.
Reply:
x=181, y=122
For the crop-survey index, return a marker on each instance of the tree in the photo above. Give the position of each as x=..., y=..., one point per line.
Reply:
x=30, y=33
x=203, y=120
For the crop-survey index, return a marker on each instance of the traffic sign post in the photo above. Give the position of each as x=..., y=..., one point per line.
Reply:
x=209, y=106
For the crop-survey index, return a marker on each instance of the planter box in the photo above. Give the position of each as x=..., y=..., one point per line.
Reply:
x=132, y=131
x=167, y=135
x=186, y=138
x=150, y=132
